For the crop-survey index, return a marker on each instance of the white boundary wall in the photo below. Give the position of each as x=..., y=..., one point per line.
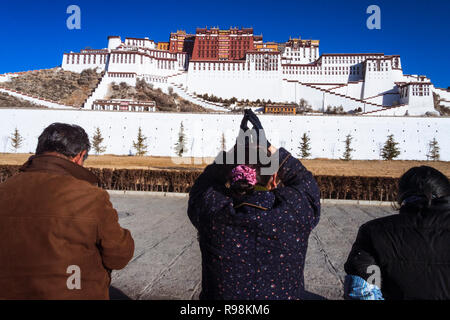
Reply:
x=204, y=131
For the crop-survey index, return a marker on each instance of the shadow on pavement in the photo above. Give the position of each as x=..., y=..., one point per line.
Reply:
x=116, y=294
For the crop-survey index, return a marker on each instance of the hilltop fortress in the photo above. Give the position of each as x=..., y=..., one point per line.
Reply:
x=237, y=63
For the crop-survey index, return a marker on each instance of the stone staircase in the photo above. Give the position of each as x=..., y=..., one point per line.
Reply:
x=98, y=93
x=399, y=110
x=444, y=96
x=344, y=96
x=183, y=93
x=375, y=109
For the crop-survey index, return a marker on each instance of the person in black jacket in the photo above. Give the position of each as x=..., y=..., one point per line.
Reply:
x=254, y=228
x=410, y=250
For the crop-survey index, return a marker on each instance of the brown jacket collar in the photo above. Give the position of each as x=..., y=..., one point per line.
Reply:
x=58, y=165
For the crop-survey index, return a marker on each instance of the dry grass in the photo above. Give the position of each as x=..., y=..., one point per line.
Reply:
x=65, y=87
x=370, y=168
x=8, y=101
x=318, y=167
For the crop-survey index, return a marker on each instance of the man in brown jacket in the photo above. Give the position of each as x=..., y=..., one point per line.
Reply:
x=59, y=234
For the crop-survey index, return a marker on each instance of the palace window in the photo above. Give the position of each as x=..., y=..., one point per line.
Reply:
x=420, y=90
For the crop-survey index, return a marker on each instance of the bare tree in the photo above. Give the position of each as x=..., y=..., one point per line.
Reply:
x=180, y=146
x=16, y=140
x=433, y=150
x=223, y=142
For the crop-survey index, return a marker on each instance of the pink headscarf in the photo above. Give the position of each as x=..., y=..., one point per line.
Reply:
x=244, y=173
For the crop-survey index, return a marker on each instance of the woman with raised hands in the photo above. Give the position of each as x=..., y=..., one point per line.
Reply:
x=253, y=226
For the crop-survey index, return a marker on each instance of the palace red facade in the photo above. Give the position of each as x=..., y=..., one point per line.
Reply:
x=181, y=42
x=215, y=44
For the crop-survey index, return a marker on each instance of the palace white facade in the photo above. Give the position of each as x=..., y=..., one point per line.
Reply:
x=369, y=84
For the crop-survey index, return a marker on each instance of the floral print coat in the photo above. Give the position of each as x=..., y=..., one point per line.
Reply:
x=254, y=248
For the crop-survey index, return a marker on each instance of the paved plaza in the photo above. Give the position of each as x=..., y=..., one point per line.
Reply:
x=167, y=262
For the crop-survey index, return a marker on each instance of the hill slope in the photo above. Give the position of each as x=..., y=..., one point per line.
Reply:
x=61, y=86
x=7, y=101
x=146, y=92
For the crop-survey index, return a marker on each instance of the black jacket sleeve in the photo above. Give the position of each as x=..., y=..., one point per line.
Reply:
x=299, y=189
x=362, y=255
x=208, y=189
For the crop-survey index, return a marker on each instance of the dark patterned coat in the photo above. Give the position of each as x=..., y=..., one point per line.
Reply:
x=255, y=247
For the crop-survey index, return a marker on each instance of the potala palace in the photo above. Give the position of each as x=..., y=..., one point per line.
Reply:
x=237, y=63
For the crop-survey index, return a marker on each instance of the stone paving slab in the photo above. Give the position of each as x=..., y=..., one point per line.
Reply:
x=167, y=261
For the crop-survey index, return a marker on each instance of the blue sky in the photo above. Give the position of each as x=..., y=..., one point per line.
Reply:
x=34, y=33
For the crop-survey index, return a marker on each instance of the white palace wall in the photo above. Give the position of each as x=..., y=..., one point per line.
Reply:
x=352, y=89
x=294, y=91
x=241, y=84
x=204, y=131
x=77, y=62
x=377, y=83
